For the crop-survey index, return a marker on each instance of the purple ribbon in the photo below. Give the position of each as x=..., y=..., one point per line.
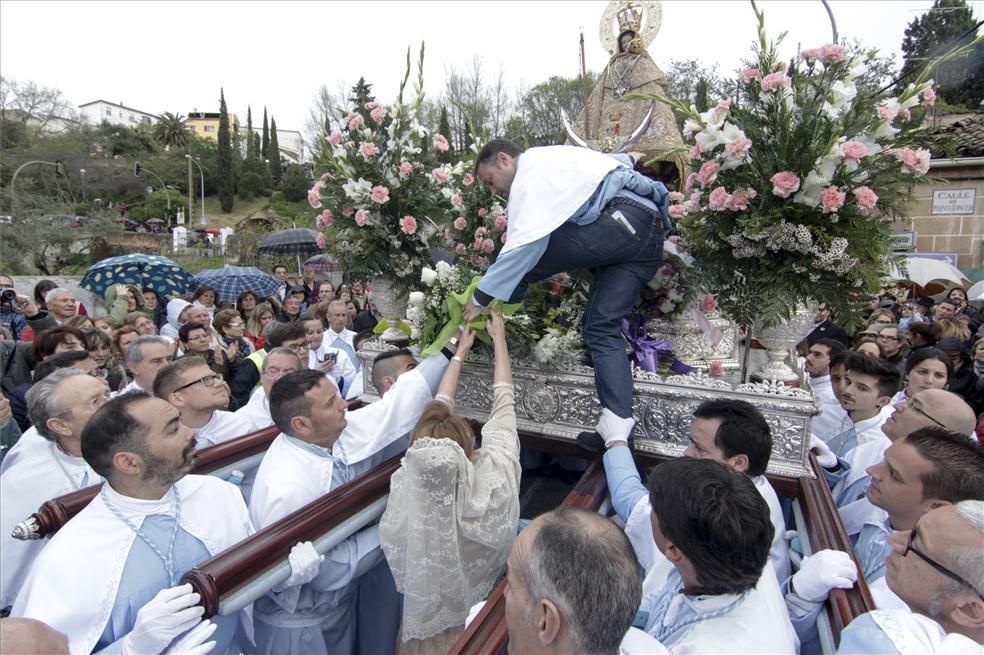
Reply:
x=646, y=351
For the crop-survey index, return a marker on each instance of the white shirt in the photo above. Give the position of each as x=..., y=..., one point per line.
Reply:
x=221, y=427
x=832, y=420
x=130, y=388
x=344, y=369
x=38, y=476
x=346, y=335
x=30, y=443
x=257, y=411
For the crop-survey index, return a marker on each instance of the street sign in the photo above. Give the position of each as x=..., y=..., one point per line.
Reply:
x=903, y=241
x=949, y=257
x=953, y=201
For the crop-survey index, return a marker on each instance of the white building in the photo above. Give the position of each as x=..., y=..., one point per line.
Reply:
x=97, y=111
x=290, y=141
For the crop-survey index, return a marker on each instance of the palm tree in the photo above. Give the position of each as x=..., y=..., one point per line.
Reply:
x=172, y=130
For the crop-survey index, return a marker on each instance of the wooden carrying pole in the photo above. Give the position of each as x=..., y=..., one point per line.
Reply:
x=55, y=513
x=218, y=578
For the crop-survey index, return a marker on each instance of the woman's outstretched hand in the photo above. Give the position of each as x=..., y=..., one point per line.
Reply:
x=465, y=341
x=496, y=327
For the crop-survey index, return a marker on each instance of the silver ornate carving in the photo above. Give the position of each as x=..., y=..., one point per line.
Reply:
x=780, y=339
x=692, y=346
x=393, y=305
x=27, y=530
x=561, y=401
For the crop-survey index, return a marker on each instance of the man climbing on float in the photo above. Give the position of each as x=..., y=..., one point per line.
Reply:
x=572, y=208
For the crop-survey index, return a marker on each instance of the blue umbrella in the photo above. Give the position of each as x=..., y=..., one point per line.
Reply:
x=295, y=241
x=230, y=281
x=161, y=274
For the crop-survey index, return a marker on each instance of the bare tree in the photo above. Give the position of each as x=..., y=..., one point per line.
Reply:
x=29, y=103
x=326, y=113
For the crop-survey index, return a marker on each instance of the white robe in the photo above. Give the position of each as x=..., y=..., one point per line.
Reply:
x=832, y=419
x=91, y=551
x=344, y=368
x=256, y=413
x=221, y=427
x=38, y=476
x=31, y=443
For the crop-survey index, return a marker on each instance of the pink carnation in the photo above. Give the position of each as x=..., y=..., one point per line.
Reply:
x=480, y=232
x=355, y=120
x=368, y=150
x=695, y=152
x=325, y=219
x=739, y=147
x=369, y=106
x=457, y=201
x=320, y=240
x=440, y=175
x=865, y=197
x=483, y=212
x=361, y=217
x=887, y=112
x=488, y=246
x=335, y=137
x=785, y=184
x=347, y=211
x=719, y=199
x=678, y=211
x=853, y=150
x=380, y=195
x=460, y=249
x=811, y=54
x=749, y=74
x=913, y=161
x=500, y=222
x=314, y=198
x=715, y=369
x=377, y=114
x=440, y=143
x=676, y=196
x=468, y=179
x=460, y=223
x=708, y=173
x=929, y=97
x=405, y=168
x=740, y=199
x=688, y=184
x=774, y=81
x=833, y=54
x=408, y=224
x=832, y=199
x=707, y=303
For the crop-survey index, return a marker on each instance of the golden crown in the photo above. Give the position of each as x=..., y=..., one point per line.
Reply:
x=630, y=18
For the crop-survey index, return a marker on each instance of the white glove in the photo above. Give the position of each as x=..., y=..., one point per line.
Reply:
x=823, y=571
x=825, y=456
x=194, y=643
x=305, y=562
x=170, y=613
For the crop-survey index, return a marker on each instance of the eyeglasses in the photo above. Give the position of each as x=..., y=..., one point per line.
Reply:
x=208, y=381
x=297, y=347
x=911, y=404
x=936, y=565
x=886, y=337
x=234, y=325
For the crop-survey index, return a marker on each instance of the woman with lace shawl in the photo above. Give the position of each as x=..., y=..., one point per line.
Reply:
x=452, y=512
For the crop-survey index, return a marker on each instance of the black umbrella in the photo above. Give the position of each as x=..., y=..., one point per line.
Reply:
x=296, y=241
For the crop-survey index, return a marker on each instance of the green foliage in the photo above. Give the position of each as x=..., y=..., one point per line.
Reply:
x=251, y=185
x=156, y=206
x=540, y=109
x=265, y=144
x=226, y=181
x=295, y=186
x=361, y=96
x=172, y=131
x=685, y=77
x=250, y=143
x=276, y=172
x=45, y=244
x=949, y=23
x=702, y=100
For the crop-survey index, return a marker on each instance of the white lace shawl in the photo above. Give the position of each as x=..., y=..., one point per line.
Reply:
x=450, y=522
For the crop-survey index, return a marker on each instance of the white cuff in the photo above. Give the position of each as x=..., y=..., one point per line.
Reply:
x=614, y=428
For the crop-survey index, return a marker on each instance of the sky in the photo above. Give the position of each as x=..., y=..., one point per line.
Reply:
x=173, y=56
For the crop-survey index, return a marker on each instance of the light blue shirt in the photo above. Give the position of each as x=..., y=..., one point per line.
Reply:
x=144, y=576
x=863, y=636
x=624, y=483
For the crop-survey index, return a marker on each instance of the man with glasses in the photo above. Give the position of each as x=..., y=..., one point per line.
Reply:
x=278, y=363
x=144, y=358
x=288, y=335
x=924, y=470
x=936, y=569
x=201, y=396
x=60, y=405
x=892, y=344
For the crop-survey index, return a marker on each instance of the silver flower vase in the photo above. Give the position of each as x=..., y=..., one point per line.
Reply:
x=392, y=303
x=779, y=340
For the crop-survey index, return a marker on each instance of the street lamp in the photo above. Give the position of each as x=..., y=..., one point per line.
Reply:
x=82, y=171
x=59, y=169
x=202, y=174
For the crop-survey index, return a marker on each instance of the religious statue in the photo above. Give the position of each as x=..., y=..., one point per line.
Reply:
x=627, y=28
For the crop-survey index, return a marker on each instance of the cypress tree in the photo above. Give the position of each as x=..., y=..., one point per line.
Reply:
x=444, y=128
x=226, y=184
x=250, y=147
x=265, y=148
x=276, y=172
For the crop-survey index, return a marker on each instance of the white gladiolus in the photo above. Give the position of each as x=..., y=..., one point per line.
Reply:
x=428, y=276
x=416, y=298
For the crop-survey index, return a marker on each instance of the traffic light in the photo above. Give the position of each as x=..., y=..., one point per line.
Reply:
x=59, y=168
x=137, y=169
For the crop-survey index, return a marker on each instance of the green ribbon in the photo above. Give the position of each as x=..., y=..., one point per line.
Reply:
x=383, y=325
x=454, y=304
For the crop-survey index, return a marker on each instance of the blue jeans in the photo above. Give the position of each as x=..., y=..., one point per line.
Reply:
x=623, y=248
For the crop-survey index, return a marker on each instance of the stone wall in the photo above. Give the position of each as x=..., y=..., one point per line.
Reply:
x=958, y=233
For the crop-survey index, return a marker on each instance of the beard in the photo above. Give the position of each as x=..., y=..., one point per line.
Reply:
x=159, y=470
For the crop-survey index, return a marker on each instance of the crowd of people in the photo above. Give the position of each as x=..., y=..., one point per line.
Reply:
x=700, y=556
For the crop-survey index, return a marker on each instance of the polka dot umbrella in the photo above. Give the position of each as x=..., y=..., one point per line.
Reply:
x=161, y=274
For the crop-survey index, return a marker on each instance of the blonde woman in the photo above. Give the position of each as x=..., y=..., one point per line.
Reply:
x=452, y=512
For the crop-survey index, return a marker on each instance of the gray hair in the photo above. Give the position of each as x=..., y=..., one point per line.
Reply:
x=54, y=293
x=280, y=350
x=343, y=304
x=966, y=560
x=134, y=354
x=585, y=565
x=43, y=403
